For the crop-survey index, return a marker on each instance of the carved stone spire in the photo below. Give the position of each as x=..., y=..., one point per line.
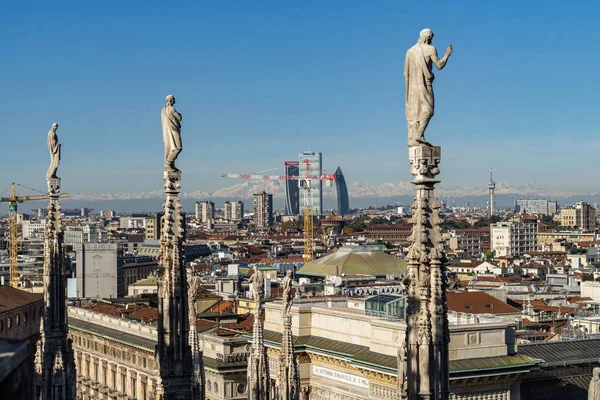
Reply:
x=288, y=380
x=54, y=360
x=173, y=351
x=195, y=345
x=258, y=367
x=423, y=356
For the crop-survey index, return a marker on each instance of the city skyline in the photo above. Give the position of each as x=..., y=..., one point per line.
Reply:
x=245, y=92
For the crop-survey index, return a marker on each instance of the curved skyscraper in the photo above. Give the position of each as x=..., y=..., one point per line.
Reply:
x=343, y=202
x=292, y=205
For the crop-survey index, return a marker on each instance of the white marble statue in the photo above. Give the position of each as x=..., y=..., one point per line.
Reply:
x=54, y=148
x=286, y=284
x=594, y=388
x=419, y=90
x=257, y=280
x=171, y=125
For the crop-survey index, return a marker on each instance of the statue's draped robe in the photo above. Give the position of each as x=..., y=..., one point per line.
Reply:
x=419, y=89
x=54, y=148
x=171, y=130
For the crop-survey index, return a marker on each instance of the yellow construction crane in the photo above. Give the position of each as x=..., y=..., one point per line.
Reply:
x=304, y=182
x=13, y=228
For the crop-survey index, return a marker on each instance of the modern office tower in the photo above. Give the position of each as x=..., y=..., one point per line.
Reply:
x=292, y=191
x=233, y=210
x=343, y=202
x=315, y=170
x=263, y=210
x=536, y=206
x=205, y=211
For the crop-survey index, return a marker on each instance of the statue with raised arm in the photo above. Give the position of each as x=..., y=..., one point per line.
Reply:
x=171, y=125
x=257, y=280
x=286, y=284
x=54, y=148
x=419, y=86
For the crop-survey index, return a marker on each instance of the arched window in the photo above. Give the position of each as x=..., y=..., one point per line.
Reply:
x=9, y=323
x=25, y=316
x=209, y=386
x=18, y=318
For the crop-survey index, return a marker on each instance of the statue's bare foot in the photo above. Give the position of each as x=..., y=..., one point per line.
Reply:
x=423, y=142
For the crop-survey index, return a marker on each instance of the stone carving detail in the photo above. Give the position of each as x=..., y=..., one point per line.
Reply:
x=194, y=338
x=258, y=367
x=288, y=377
x=425, y=357
x=54, y=363
x=483, y=395
x=173, y=352
x=594, y=387
x=419, y=86
x=382, y=392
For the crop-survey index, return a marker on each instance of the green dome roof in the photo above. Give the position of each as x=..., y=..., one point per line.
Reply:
x=354, y=260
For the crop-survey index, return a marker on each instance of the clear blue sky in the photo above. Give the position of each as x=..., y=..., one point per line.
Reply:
x=257, y=81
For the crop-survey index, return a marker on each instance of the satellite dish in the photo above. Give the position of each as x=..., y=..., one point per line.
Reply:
x=336, y=281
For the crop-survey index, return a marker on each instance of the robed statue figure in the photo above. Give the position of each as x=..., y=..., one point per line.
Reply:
x=419, y=86
x=54, y=148
x=171, y=125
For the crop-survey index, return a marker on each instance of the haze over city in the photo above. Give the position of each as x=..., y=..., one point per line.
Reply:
x=330, y=79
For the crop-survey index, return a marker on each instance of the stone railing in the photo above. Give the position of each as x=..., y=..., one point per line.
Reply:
x=120, y=324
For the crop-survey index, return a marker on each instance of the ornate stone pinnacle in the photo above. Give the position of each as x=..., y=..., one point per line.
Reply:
x=427, y=324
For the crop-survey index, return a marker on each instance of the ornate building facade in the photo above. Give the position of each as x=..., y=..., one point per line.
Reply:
x=344, y=354
x=115, y=359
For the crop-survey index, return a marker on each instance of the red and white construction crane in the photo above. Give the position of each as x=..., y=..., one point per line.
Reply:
x=304, y=183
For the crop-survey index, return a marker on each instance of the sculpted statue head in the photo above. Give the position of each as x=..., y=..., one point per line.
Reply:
x=54, y=126
x=425, y=36
x=596, y=373
x=288, y=273
x=170, y=100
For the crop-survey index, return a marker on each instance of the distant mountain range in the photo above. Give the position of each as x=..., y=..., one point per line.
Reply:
x=356, y=190
x=362, y=195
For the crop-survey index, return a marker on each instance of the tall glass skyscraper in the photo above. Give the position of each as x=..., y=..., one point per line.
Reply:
x=315, y=170
x=343, y=201
x=292, y=195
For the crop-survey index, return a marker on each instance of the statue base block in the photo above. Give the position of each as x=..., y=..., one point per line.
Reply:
x=172, y=175
x=424, y=161
x=54, y=186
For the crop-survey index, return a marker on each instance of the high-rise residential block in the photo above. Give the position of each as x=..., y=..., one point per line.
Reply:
x=263, y=210
x=205, y=211
x=233, y=210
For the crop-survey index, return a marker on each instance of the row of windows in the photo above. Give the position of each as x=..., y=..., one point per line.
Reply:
x=113, y=381
x=9, y=320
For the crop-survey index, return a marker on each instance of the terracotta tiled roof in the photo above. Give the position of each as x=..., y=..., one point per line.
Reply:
x=478, y=303
x=221, y=306
x=11, y=298
x=145, y=314
x=204, y=324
